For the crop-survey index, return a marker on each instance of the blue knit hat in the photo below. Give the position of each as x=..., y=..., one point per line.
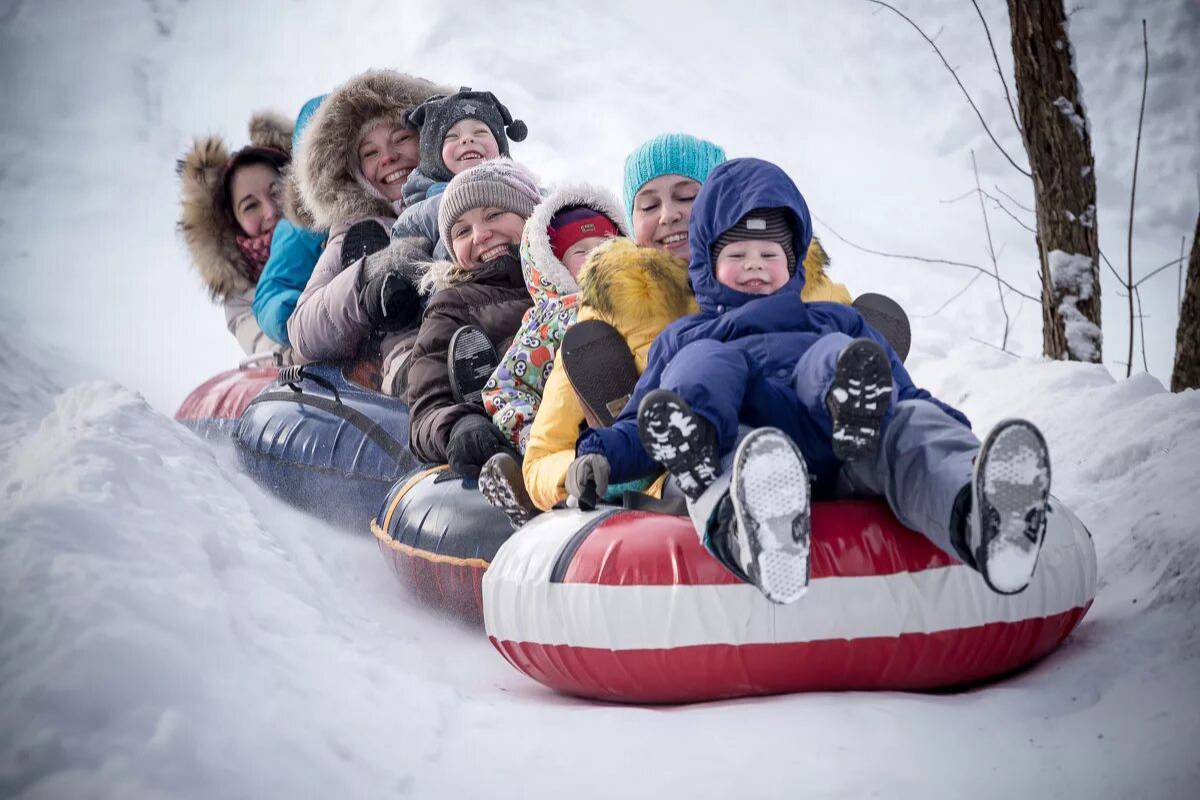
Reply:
x=669, y=154
x=302, y=119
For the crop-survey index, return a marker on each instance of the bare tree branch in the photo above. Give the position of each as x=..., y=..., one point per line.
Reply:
x=999, y=205
x=1137, y=149
x=953, y=72
x=992, y=252
x=1154, y=272
x=989, y=344
x=922, y=259
x=1141, y=329
x=999, y=72
x=1014, y=200
x=1113, y=270
x=953, y=297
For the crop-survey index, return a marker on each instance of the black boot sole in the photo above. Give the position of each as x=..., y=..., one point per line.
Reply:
x=503, y=486
x=858, y=400
x=471, y=359
x=600, y=368
x=679, y=440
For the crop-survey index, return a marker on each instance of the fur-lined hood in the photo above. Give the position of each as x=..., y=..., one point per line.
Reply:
x=633, y=287
x=545, y=274
x=210, y=238
x=327, y=158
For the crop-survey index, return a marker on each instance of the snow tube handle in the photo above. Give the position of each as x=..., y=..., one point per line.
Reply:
x=291, y=377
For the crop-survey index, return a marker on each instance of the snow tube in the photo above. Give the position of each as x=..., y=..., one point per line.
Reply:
x=213, y=408
x=439, y=534
x=629, y=606
x=325, y=444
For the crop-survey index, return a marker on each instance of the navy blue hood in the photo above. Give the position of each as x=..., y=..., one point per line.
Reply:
x=732, y=190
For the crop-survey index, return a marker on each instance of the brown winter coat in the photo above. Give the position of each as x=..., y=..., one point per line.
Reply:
x=329, y=322
x=210, y=236
x=493, y=297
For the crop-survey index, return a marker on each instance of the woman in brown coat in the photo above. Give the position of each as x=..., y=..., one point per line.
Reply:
x=481, y=218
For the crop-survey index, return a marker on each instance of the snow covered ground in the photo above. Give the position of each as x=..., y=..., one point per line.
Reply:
x=166, y=629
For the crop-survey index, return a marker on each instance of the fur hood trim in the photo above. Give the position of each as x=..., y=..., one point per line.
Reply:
x=545, y=274
x=327, y=160
x=816, y=266
x=631, y=286
x=442, y=275
x=209, y=236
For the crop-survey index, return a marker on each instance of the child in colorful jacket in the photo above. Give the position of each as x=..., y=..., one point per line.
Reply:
x=826, y=396
x=556, y=240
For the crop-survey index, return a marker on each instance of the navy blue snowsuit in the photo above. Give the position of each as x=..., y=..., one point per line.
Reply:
x=745, y=358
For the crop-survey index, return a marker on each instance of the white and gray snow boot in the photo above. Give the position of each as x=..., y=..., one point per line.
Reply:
x=683, y=442
x=768, y=535
x=503, y=486
x=1009, y=491
x=858, y=399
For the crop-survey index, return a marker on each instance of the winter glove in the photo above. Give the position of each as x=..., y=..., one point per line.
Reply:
x=390, y=302
x=587, y=479
x=511, y=258
x=407, y=255
x=473, y=440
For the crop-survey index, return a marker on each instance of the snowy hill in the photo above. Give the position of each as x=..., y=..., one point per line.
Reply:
x=169, y=630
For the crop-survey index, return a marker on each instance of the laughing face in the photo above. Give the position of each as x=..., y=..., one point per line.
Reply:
x=387, y=155
x=661, y=210
x=468, y=142
x=753, y=267
x=482, y=234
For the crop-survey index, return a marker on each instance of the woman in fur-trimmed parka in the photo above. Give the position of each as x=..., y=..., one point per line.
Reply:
x=229, y=258
x=514, y=391
x=637, y=290
x=331, y=319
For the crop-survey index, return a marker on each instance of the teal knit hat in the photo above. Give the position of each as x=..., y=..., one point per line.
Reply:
x=669, y=154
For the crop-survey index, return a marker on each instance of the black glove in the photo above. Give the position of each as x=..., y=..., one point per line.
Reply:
x=587, y=479
x=390, y=301
x=473, y=440
x=511, y=257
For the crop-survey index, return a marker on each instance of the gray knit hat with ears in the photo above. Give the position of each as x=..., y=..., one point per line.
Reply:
x=437, y=115
x=500, y=183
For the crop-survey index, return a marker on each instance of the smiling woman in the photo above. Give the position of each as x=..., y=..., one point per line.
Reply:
x=229, y=207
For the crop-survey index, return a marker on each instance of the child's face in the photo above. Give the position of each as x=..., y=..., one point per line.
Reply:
x=754, y=267
x=386, y=156
x=254, y=194
x=577, y=253
x=467, y=143
x=661, y=210
x=482, y=234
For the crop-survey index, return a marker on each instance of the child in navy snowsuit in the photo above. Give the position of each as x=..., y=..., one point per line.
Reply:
x=832, y=407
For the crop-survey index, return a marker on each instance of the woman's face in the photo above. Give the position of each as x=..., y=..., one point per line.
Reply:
x=254, y=193
x=661, y=210
x=386, y=156
x=482, y=234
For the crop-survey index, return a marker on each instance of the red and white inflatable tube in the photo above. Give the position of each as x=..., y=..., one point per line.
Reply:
x=629, y=606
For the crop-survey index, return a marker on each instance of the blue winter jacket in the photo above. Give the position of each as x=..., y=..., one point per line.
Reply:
x=294, y=254
x=774, y=330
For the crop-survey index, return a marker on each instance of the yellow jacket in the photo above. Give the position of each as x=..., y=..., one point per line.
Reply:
x=639, y=291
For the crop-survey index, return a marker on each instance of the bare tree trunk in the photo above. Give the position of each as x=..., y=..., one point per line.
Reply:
x=1187, y=336
x=1059, y=145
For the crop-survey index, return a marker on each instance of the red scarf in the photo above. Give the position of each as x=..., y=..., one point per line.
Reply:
x=255, y=252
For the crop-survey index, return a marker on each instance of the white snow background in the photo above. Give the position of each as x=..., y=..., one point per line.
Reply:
x=168, y=630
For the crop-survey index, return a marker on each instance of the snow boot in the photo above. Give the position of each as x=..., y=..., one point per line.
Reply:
x=768, y=537
x=600, y=368
x=1009, y=491
x=362, y=239
x=886, y=316
x=858, y=400
x=683, y=442
x=472, y=359
x=503, y=486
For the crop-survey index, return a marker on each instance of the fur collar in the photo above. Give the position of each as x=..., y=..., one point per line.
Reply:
x=326, y=161
x=630, y=286
x=209, y=236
